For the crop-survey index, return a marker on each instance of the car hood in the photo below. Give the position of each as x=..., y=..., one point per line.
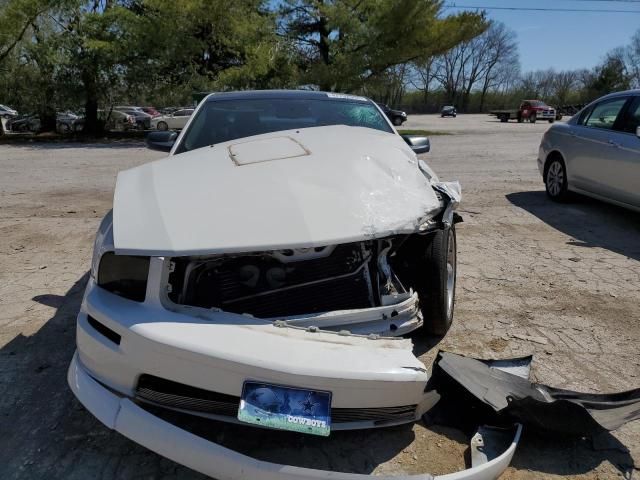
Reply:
x=291, y=189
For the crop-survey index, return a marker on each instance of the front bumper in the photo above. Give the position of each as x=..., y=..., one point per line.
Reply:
x=217, y=352
x=124, y=416
x=546, y=115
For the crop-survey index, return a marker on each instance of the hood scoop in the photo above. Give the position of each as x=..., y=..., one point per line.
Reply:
x=266, y=150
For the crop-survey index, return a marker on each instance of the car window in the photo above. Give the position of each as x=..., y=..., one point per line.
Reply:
x=631, y=119
x=605, y=113
x=224, y=120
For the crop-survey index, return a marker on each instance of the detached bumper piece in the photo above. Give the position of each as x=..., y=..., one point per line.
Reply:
x=500, y=392
x=197, y=453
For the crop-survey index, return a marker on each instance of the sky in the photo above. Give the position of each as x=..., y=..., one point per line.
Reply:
x=563, y=40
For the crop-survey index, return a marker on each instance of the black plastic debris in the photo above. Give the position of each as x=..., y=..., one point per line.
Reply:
x=499, y=393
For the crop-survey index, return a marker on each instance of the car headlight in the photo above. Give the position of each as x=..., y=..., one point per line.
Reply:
x=124, y=275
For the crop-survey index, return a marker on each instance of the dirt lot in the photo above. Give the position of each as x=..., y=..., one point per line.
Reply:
x=559, y=281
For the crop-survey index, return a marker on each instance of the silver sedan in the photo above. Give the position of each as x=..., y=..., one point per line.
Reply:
x=596, y=153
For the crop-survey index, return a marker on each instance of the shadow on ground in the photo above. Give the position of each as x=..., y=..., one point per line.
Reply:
x=46, y=433
x=589, y=222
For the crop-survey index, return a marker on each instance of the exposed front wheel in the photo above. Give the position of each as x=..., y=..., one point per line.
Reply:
x=163, y=126
x=555, y=179
x=437, y=291
x=532, y=118
x=397, y=121
x=551, y=120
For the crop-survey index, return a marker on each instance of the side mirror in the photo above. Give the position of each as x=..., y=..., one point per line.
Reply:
x=417, y=143
x=162, y=141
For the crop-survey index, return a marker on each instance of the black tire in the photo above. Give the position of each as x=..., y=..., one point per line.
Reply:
x=437, y=291
x=163, y=126
x=551, y=120
x=520, y=119
x=555, y=179
x=504, y=118
x=532, y=118
x=397, y=121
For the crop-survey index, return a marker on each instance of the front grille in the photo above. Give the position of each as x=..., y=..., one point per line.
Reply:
x=266, y=287
x=336, y=294
x=167, y=393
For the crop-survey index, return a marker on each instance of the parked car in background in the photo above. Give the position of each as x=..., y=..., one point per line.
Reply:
x=116, y=120
x=397, y=117
x=23, y=123
x=7, y=111
x=67, y=122
x=529, y=110
x=173, y=121
x=596, y=153
x=142, y=119
x=151, y=111
x=448, y=111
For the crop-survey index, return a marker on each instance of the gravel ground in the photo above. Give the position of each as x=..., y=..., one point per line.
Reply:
x=561, y=282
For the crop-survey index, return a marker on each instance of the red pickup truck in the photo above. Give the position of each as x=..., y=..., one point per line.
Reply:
x=531, y=110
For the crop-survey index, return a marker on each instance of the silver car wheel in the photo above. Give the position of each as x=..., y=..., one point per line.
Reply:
x=555, y=178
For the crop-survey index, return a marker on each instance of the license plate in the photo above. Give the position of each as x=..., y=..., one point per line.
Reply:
x=286, y=408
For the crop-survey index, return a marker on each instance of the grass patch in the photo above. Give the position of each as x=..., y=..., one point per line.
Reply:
x=426, y=133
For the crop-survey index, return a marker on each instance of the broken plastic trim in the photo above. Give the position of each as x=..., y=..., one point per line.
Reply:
x=491, y=392
x=219, y=462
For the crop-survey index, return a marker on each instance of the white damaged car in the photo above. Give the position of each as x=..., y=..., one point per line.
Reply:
x=263, y=272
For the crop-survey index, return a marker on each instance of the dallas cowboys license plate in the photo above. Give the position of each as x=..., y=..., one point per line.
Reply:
x=286, y=408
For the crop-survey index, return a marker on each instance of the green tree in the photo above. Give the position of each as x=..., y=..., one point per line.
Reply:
x=343, y=44
x=16, y=17
x=610, y=76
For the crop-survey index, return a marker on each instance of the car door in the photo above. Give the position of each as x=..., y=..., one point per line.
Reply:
x=626, y=156
x=173, y=119
x=591, y=161
x=177, y=119
x=185, y=118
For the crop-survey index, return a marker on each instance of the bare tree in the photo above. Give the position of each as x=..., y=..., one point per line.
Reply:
x=450, y=71
x=564, y=83
x=632, y=57
x=502, y=64
x=478, y=65
x=422, y=77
